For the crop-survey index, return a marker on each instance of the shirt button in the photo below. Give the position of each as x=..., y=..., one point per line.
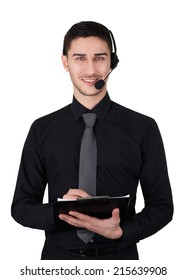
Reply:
x=91, y=240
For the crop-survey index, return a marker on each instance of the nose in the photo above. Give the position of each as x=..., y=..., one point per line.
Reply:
x=90, y=69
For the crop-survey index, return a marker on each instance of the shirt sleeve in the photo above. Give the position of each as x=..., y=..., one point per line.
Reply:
x=27, y=206
x=154, y=181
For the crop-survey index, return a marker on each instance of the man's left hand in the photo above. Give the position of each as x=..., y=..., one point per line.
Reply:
x=109, y=228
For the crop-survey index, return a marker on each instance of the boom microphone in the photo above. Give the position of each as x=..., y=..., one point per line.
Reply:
x=100, y=83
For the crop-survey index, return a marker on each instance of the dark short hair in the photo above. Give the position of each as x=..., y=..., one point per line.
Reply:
x=86, y=29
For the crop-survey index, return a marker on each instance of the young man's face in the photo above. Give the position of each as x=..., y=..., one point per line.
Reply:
x=87, y=61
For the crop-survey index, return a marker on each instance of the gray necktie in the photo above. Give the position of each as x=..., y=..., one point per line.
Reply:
x=88, y=166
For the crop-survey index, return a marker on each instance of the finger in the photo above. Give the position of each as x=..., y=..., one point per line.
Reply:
x=69, y=196
x=72, y=220
x=115, y=214
x=79, y=192
x=68, y=219
x=63, y=217
x=80, y=216
x=74, y=215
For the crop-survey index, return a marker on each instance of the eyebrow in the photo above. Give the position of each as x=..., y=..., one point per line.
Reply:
x=99, y=54
x=96, y=54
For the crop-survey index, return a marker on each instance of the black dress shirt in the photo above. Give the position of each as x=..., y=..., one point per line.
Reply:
x=130, y=151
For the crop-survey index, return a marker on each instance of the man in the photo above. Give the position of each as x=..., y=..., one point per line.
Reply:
x=129, y=151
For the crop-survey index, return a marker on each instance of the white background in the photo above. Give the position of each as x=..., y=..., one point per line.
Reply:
x=150, y=78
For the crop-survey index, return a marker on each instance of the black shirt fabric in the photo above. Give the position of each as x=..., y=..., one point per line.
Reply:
x=130, y=151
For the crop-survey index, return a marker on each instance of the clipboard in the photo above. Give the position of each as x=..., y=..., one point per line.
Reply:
x=98, y=206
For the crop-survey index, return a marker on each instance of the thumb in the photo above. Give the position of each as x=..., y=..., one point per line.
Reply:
x=115, y=214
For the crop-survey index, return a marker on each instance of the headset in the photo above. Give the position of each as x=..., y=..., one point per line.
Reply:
x=114, y=62
x=114, y=57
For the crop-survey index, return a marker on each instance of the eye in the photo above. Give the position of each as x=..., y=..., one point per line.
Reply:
x=80, y=58
x=100, y=58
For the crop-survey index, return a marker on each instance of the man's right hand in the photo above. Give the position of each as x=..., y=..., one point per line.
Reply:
x=75, y=193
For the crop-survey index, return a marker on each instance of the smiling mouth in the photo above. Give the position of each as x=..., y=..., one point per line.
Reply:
x=90, y=81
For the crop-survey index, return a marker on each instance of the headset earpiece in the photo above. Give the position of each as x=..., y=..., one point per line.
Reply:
x=114, y=57
x=114, y=60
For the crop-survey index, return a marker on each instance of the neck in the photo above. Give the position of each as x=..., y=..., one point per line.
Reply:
x=90, y=101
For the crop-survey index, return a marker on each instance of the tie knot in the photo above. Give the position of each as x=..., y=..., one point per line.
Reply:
x=89, y=119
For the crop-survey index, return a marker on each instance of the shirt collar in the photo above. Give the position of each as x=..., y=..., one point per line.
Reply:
x=100, y=109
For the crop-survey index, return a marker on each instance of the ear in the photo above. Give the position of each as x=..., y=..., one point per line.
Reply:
x=65, y=62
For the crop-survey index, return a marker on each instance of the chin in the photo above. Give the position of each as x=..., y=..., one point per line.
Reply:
x=95, y=93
